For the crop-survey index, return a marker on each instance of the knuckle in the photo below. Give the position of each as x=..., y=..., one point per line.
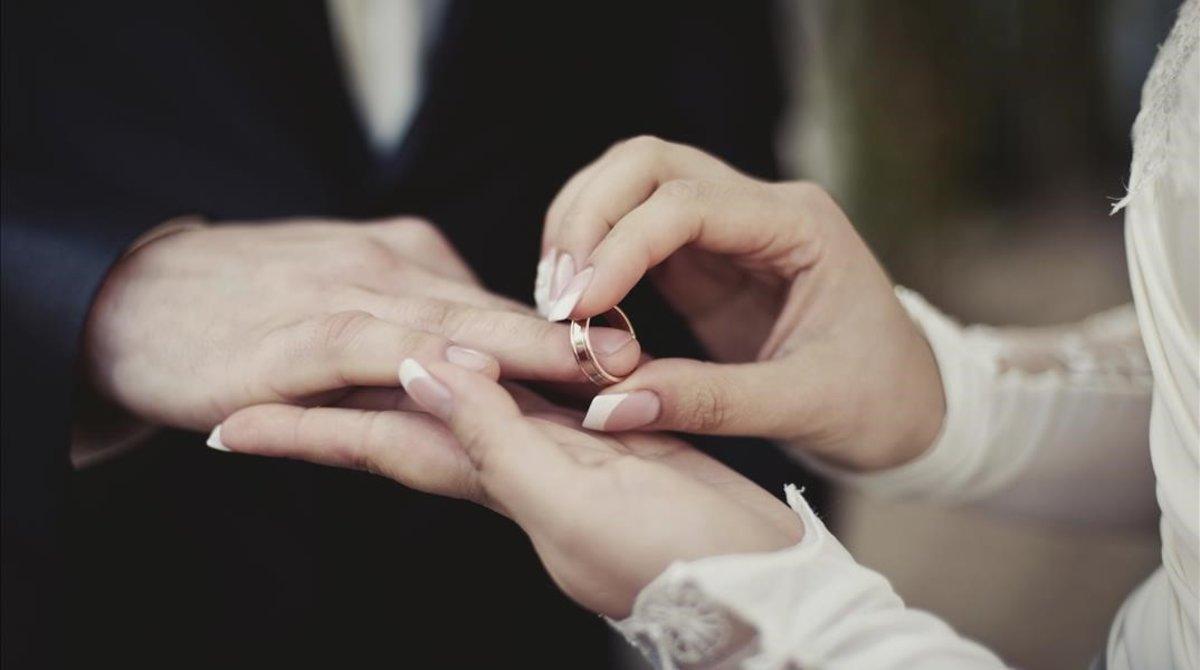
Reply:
x=706, y=408
x=809, y=192
x=341, y=331
x=547, y=335
x=818, y=210
x=363, y=452
x=416, y=342
x=407, y=223
x=571, y=218
x=433, y=316
x=683, y=190
x=643, y=144
x=421, y=229
x=367, y=253
x=646, y=156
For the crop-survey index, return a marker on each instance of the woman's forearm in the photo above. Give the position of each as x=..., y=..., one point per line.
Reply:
x=1043, y=422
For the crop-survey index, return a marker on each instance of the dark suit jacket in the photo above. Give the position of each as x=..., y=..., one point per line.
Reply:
x=118, y=116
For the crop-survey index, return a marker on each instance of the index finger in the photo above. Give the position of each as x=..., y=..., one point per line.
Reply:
x=519, y=467
x=526, y=346
x=625, y=177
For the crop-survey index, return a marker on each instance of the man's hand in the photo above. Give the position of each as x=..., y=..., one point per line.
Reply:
x=193, y=326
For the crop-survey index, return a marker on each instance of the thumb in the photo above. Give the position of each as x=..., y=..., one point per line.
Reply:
x=764, y=399
x=512, y=458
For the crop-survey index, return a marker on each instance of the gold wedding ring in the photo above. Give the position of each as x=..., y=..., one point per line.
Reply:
x=585, y=356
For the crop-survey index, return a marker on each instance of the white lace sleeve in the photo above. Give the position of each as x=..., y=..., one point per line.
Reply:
x=1043, y=422
x=810, y=606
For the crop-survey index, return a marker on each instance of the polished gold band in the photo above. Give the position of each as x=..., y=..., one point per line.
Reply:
x=585, y=356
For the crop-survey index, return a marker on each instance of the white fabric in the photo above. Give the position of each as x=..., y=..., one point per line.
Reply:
x=811, y=606
x=381, y=44
x=1048, y=422
x=1057, y=423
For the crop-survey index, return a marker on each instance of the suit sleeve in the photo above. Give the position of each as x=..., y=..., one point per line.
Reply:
x=55, y=256
x=59, y=235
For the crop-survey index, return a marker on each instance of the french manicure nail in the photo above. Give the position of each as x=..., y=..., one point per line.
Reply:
x=214, y=440
x=622, y=411
x=424, y=389
x=564, y=270
x=608, y=341
x=566, y=302
x=468, y=358
x=541, y=283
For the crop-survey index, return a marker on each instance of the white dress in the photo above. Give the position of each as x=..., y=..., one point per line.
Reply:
x=1097, y=421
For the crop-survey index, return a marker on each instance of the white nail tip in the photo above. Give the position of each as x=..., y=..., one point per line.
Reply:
x=564, y=270
x=214, y=440
x=563, y=306
x=411, y=370
x=566, y=302
x=541, y=284
x=601, y=408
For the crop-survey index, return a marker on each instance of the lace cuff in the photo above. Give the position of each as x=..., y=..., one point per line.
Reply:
x=675, y=625
x=680, y=621
x=807, y=606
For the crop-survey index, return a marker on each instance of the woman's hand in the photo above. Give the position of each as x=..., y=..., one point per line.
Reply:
x=773, y=279
x=606, y=514
x=195, y=325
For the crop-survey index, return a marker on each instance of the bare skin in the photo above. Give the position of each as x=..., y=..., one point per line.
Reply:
x=196, y=325
x=810, y=343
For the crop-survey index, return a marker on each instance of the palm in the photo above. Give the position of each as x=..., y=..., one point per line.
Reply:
x=606, y=514
x=635, y=504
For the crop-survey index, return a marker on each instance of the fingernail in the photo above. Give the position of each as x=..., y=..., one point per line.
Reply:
x=468, y=358
x=424, y=389
x=608, y=341
x=214, y=440
x=541, y=283
x=564, y=269
x=622, y=411
x=570, y=296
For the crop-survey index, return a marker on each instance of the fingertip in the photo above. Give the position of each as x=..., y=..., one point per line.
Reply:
x=618, y=350
x=607, y=287
x=249, y=430
x=569, y=294
x=543, y=278
x=596, y=301
x=469, y=386
x=615, y=412
x=719, y=399
x=214, y=440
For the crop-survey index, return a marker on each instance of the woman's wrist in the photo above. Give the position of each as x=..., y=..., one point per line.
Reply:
x=922, y=411
x=898, y=421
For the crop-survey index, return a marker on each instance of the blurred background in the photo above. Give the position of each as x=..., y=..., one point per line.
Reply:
x=979, y=146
